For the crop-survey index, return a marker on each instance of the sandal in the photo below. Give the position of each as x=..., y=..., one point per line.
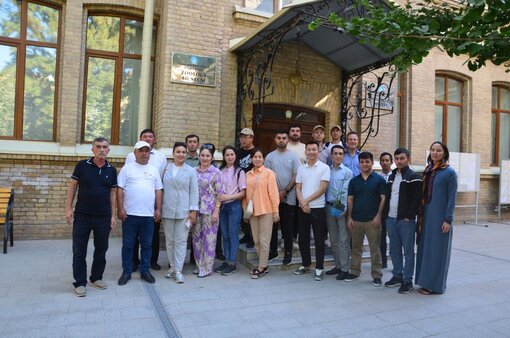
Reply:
x=259, y=273
x=425, y=292
x=254, y=271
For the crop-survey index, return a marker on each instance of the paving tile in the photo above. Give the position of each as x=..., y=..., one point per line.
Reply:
x=476, y=303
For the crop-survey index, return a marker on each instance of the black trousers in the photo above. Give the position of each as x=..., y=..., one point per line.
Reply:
x=287, y=216
x=384, y=245
x=82, y=226
x=155, y=246
x=316, y=219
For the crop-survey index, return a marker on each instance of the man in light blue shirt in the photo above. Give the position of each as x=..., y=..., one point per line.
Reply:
x=351, y=160
x=336, y=209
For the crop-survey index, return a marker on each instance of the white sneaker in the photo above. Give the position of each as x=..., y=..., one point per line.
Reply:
x=80, y=291
x=99, y=284
x=318, y=274
x=179, y=278
x=170, y=273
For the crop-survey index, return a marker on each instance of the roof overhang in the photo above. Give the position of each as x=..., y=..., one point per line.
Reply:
x=340, y=48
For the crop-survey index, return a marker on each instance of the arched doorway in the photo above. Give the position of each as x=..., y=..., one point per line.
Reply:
x=282, y=116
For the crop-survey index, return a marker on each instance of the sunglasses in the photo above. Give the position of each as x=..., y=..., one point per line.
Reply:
x=209, y=146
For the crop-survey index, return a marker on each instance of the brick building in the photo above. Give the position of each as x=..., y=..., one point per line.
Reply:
x=70, y=70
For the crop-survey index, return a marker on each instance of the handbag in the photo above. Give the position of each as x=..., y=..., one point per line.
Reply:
x=248, y=211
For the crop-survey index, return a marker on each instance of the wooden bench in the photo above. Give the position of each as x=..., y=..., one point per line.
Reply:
x=6, y=206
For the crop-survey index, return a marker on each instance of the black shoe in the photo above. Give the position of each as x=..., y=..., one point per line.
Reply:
x=350, y=277
x=155, y=266
x=393, y=282
x=341, y=275
x=124, y=278
x=384, y=265
x=220, y=256
x=220, y=268
x=148, y=278
x=250, y=244
x=287, y=260
x=272, y=256
x=135, y=266
x=406, y=287
x=377, y=282
x=333, y=271
x=229, y=269
x=244, y=239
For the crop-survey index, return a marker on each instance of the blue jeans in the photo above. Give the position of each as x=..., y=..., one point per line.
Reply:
x=82, y=226
x=401, y=234
x=230, y=219
x=133, y=227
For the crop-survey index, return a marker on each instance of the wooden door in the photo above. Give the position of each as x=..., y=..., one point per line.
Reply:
x=278, y=116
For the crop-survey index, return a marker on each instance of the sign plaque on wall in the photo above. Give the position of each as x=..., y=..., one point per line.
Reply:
x=193, y=69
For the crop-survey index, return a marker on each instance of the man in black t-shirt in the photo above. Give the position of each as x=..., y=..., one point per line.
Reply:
x=244, y=155
x=96, y=182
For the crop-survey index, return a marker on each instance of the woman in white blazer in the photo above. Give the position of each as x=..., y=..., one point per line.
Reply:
x=179, y=212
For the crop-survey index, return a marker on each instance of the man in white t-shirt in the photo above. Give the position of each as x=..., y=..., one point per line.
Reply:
x=312, y=180
x=139, y=200
x=158, y=160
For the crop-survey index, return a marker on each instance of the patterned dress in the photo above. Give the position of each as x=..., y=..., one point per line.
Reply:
x=204, y=232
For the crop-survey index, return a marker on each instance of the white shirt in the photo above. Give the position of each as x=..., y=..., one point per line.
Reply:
x=310, y=178
x=299, y=150
x=395, y=189
x=140, y=183
x=157, y=160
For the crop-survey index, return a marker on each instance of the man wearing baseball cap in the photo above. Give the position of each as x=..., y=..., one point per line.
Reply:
x=319, y=136
x=139, y=200
x=244, y=155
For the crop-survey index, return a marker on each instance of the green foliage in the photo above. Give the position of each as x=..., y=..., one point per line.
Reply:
x=476, y=28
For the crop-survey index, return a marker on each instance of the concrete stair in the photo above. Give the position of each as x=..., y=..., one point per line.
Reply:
x=248, y=257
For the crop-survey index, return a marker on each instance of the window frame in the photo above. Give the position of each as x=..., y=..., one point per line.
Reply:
x=21, y=45
x=445, y=103
x=276, y=6
x=498, y=111
x=119, y=58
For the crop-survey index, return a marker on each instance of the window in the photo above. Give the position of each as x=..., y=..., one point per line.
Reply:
x=269, y=6
x=500, y=124
x=29, y=49
x=112, y=76
x=448, y=113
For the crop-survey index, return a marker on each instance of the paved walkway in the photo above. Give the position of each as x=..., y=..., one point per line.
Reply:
x=36, y=299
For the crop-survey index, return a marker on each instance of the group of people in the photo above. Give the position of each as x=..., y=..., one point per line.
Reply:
x=329, y=188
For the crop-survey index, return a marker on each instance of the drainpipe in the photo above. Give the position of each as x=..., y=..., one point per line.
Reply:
x=145, y=75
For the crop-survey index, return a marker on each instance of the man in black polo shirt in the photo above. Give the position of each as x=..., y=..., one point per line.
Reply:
x=96, y=181
x=364, y=211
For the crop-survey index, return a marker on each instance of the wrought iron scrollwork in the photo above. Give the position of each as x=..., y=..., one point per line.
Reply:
x=255, y=70
x=366, y=97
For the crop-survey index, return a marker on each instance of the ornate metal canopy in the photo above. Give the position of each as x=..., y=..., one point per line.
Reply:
x=256, y=54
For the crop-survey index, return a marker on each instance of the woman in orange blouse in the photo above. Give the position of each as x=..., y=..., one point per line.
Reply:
x=261, y=188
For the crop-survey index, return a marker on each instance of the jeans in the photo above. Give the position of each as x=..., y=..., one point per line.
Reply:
x=340, y=238
x=143, y=227
x=317, y=219
x=82, y=226
x=155, y=246
x=287, y=213
x=230, y=220
x=401, y=235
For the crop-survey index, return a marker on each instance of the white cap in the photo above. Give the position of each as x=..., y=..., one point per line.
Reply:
x=142, y=144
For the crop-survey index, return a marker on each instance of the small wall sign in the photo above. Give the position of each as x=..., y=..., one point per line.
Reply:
x=193, y=69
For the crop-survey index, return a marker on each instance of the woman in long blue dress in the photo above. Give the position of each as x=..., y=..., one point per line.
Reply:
x=435, y=228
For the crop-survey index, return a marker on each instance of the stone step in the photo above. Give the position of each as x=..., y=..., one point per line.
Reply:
x=249, y=258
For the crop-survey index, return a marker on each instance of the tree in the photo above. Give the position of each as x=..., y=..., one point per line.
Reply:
x=476, y=28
